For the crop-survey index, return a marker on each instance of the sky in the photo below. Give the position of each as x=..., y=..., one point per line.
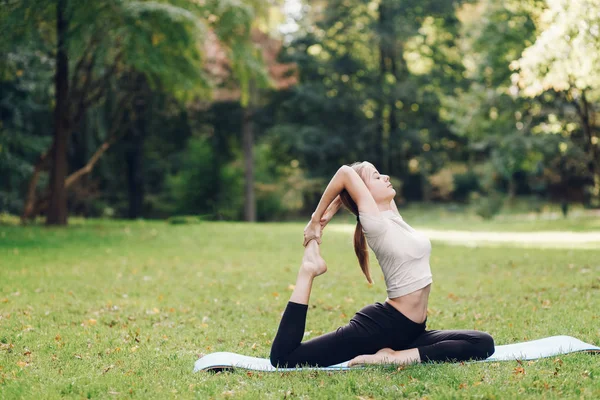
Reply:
x=292, y=9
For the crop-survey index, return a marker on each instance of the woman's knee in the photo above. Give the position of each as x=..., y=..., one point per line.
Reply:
x=277, y=359
x=485, y=345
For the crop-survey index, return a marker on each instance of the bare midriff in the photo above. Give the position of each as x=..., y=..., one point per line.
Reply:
x=412, y=305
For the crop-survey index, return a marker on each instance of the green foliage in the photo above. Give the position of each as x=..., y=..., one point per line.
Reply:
x=464, y=184
x=279, y=189
x=193, y=187
x=230, y=204
x=456, y=181
x=415, y=87
x=25, y=122
x=488, y=206
x=184, y=219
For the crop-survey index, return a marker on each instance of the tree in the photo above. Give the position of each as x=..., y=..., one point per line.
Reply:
x=564, y=58
x=243, y=81
x=92, y=43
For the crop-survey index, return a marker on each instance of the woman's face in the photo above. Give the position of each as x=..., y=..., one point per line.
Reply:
x=379, y=185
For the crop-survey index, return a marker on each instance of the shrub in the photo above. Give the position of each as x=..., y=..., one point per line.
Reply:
x=194, y=187
x=455, y=181
x=489, y=206
x=442, y=184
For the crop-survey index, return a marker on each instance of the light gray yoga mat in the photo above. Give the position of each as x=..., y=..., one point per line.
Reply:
x=546, y=347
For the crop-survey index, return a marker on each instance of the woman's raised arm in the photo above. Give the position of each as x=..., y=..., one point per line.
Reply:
x=347, y=179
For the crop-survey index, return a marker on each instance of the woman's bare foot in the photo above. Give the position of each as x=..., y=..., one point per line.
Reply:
x=312, y=262
x=383, y=356
x=388, y=356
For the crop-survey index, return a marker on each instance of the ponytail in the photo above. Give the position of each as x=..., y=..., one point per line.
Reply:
x=360, y=242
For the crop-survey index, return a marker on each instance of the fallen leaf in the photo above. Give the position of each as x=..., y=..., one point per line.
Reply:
x=6, y=346
x=546, y=304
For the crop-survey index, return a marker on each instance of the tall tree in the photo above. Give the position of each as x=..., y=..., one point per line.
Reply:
x=247, y=79
x=92, y=43
x=565, y=58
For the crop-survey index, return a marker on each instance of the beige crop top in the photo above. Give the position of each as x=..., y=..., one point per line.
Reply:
x=402, y=252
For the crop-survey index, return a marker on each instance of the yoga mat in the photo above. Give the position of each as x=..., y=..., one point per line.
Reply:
x=546, y=347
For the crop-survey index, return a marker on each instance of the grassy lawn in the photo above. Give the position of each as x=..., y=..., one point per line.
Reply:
x=123, y=309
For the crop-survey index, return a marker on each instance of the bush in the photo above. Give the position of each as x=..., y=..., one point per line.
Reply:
x=455, y=181
x=442, y=184
x=488, y=206
x=184, y=219
x=464, y=184
x=230, y=200
x=194, y=188
x=275, y=187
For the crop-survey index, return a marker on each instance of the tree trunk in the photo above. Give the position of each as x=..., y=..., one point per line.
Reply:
x=248, y=145
x=593, y=149
x=57, y=211
x=134, y=153
x=512, y=189
x=134, y=157
x=30, y=199
x=378, y=146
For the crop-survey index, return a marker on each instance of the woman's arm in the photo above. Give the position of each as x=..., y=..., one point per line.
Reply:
x=347, y=179
x=333, y=208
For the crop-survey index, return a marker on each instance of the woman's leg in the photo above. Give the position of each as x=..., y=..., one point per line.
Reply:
x=435, y=345
x=462, y=345
x=367, y=332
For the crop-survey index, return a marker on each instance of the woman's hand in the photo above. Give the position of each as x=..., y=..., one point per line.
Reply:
x=326, y=217
x=312, y=231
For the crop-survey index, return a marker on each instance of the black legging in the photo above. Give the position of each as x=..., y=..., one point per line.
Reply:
x=374, y=327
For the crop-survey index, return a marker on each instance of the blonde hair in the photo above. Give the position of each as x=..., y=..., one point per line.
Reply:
x=360, y=242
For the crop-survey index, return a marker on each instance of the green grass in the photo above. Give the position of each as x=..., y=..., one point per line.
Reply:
x=123, y=309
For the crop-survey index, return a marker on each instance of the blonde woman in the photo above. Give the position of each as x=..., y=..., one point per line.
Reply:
x=390, y=332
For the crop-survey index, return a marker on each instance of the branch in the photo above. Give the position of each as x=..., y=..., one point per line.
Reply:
x=100, y=83
x=79, y=93
x=93, y=41
x=42, y=164
x=42, y=204
x=113, y=136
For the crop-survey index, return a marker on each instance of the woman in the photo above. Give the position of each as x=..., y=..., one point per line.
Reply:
x=389, y=332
